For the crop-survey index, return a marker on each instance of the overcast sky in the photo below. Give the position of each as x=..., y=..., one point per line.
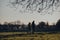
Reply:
x=11, y=14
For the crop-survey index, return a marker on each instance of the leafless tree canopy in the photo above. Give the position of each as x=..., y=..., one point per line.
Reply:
x=36, y=5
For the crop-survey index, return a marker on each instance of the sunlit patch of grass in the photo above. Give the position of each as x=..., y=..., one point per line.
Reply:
x=9, y=33
x=35, y=37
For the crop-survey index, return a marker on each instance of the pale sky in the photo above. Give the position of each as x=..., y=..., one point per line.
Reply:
x=10, y=14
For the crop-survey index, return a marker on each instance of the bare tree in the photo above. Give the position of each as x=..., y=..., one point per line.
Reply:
x=36, y=5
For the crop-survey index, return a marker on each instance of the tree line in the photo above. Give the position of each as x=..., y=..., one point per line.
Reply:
x=31, y=27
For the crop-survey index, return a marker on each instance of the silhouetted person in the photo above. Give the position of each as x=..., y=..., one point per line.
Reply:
x=29, y=26
x=33, y=27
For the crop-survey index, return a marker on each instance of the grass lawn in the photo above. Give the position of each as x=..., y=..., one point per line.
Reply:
x=44, y=36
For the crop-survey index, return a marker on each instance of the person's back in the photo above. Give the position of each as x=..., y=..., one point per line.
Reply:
x=33, y=27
